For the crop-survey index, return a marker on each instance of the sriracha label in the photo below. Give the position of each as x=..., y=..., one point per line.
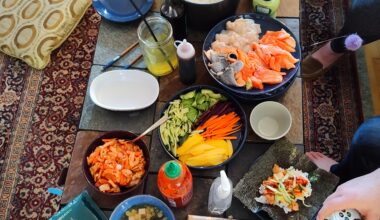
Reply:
x=180, y=201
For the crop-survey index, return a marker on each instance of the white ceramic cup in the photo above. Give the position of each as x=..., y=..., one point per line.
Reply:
x=270, y=120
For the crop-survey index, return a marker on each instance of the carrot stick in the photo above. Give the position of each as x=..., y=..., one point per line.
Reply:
x=221, y=126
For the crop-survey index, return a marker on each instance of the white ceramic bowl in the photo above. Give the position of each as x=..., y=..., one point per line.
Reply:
x=124, y=90
x=270, y=120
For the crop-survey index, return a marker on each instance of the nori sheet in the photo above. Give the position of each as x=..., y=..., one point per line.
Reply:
x=285, y=154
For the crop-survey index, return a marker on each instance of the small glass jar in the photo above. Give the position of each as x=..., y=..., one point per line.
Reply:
x=160, y=57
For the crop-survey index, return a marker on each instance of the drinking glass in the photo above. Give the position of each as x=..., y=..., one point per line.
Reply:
x=160, y=57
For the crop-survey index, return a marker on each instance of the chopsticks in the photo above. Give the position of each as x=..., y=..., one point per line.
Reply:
x=111, y=62
x=133, y=61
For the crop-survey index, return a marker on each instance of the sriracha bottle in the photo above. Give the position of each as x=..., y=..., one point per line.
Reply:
x=175, y=183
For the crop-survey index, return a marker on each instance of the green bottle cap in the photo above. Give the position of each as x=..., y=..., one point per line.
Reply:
x=172, y=169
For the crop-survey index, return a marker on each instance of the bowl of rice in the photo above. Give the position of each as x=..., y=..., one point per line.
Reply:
x=204, y=14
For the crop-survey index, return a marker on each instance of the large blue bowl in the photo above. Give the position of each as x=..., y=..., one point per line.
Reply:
x=241, y=135
x=141, y=200
x=267, y=24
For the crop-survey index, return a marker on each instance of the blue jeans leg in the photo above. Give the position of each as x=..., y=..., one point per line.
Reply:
x=363, y=156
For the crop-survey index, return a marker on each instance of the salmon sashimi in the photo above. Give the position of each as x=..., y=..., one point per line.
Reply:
x=249, y=67
x=281, y=39
x=260, y=64
x=274, y=57
x=269, y=76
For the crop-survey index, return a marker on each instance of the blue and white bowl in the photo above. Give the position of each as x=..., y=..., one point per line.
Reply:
x=120, y=210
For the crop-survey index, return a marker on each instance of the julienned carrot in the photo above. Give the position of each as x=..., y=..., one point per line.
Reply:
x=213, y=121
x=220, y=126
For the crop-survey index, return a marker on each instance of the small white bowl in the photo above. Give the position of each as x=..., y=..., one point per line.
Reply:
x=124, y=90
x=270, y=120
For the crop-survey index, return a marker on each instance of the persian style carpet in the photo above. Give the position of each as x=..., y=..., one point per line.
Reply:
x=39, y=115
x=331, y=104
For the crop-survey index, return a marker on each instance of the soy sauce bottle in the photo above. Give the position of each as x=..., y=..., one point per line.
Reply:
x=174, y=12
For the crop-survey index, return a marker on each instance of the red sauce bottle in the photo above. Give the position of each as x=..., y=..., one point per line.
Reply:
x=175, y=183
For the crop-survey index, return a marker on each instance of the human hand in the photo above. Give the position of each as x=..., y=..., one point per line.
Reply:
x=362, y=194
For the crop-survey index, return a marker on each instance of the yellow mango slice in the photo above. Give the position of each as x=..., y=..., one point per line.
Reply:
x=209, y=160
x=191, y=141
x=200, y=149
x=217, y=143
x=230, y=148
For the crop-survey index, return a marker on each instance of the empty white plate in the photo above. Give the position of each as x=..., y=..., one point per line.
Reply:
x=124, y=90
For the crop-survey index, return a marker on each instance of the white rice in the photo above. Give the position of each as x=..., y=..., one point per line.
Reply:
x=307, y=191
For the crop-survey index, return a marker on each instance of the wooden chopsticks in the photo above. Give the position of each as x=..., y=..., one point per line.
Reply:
x=111, y=62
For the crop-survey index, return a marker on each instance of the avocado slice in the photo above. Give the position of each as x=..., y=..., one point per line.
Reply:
x=188, y=95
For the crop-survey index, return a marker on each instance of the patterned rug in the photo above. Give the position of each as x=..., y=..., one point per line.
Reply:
x=39, y=115
x=332, y=104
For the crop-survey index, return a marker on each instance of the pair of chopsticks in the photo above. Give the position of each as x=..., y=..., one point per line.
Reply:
x=110, y=63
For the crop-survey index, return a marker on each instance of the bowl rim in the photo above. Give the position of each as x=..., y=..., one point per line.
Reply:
x=141, y=196
x=88, y=176
x=249, y=93
x=200, y=4
x=105, y=12
x=237, y=106
x=283, y=107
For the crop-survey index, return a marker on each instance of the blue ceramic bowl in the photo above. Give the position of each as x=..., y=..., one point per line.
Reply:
x=120, y=210
x=266, y=23
x=241, y=135
x=121, y=11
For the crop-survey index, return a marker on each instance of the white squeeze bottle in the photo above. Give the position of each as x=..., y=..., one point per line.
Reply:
x=220, y=196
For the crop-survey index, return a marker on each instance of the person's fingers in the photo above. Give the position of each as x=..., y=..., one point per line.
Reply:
x=332, y=197
x=371, y=216
x=334, y=204
x=320, y=155
x=311, y=155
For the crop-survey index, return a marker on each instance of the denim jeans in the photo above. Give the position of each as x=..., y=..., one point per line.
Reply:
x=363, y=18
x=363, y=156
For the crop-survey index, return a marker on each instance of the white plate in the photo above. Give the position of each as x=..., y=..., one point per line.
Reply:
x=124, y=90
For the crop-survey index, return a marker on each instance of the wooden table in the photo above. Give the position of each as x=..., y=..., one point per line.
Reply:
x=112, y=39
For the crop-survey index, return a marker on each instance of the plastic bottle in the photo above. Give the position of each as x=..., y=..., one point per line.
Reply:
x=186, y=57
x=220, y=196
x=175, y=183
x=174, y=12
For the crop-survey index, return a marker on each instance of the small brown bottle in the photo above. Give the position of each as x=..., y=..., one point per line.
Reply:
x=186, y=59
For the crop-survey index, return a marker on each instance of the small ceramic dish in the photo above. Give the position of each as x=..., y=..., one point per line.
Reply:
x=124, y=90
x=270, y=120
